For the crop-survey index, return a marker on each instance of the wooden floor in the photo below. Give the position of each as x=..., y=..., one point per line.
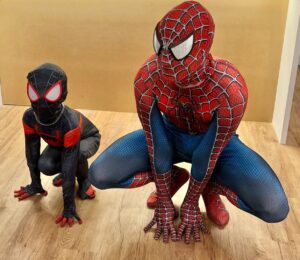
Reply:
x=114, y=221
x=293, y=137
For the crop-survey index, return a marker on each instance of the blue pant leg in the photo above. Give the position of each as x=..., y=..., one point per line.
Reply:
x=162, y=142
x=254, y=182
x=201, y=155
x=116, y=166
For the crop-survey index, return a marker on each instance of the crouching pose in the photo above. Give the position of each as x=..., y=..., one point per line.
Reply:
x=71, y=139
x=190, y=105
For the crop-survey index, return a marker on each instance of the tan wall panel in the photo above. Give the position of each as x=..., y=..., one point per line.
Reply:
x=101, y=44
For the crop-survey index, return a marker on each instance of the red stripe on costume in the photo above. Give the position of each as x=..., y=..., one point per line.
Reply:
x=140, y=179
x=73, y=136
x=27, y=129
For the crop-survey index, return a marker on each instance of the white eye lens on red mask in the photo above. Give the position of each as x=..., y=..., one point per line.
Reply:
x=32, y=93
x=54, y=92
x=156, y=43
x=183, y=49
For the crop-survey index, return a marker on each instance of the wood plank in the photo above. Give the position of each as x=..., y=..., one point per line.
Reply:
x=114, y=221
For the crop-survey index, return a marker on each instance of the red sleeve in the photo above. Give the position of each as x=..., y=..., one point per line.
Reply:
x=73, y=136
x=27, y=129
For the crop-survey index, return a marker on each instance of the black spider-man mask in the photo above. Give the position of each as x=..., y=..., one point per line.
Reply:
x=47, y=89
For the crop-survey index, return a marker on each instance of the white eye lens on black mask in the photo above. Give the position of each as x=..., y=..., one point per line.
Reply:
x=54, y=92
x=183, y=49
x=32, y=93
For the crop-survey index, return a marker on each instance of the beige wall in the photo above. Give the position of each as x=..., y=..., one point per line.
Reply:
x=101, y=44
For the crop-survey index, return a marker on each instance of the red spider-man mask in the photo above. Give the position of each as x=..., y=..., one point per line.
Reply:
x=47, y=89
x=182, y=40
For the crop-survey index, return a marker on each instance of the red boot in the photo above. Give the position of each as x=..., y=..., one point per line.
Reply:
x=58, y=180
x=215, y=208
x=86, y=190
x=179, y=177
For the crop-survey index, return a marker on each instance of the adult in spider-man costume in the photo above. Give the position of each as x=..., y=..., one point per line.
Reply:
x=190, y=105
x=71, y=139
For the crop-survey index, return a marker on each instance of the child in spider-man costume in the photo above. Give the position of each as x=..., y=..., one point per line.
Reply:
x=71, y=139
x=190, y=105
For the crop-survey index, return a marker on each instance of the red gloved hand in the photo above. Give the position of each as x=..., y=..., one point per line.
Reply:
x=28, y=191
x=68, y=218
x=164, y=215
x=191, y=223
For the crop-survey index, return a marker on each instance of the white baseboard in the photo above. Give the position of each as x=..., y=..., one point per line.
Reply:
x=287, y=72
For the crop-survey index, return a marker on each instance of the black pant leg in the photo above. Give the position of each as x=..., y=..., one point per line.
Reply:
x=50, y=161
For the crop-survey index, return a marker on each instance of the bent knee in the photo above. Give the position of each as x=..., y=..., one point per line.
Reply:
x=100, y=178
x=276, y=211
x=47, y=167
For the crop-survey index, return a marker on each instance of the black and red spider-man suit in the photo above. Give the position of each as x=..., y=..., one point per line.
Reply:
x=70, y=136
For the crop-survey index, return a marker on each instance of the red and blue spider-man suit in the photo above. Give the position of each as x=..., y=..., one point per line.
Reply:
x=190, y=105
x=70, y=136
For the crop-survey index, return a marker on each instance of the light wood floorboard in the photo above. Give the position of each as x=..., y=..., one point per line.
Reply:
x=114, y=221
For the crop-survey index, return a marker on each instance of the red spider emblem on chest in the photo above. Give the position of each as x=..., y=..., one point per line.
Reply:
x=53, y=138
x=191, y=105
